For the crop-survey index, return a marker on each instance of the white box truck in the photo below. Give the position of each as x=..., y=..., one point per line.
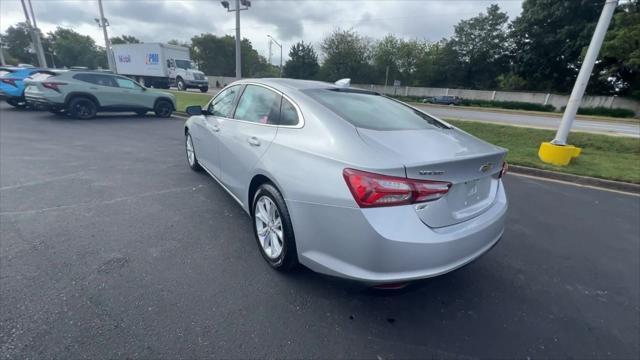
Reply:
x=159, y=65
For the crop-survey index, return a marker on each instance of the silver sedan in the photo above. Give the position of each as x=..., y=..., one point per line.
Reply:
x=348, y=182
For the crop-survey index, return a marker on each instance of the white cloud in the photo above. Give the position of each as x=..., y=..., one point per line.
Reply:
x=288, y=21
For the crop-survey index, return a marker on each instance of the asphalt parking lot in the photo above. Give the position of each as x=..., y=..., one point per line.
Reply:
x=111, y=247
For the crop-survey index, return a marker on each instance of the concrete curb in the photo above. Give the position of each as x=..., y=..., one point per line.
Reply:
x=576, y=179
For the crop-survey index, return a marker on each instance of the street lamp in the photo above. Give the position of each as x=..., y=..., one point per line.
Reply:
x=2, y=62
x=103, y=23
x=240, y=5
x=280, y=46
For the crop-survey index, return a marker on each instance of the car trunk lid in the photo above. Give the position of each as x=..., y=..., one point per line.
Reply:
x=471, y=165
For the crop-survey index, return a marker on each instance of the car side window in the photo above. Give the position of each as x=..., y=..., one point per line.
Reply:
x=222, y=105
x=126, y=83
x=288, y=114
x=96, y=79
x=259, y=105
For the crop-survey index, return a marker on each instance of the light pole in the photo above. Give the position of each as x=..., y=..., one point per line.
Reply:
x=35, y=35
x=280, y=46
x=246, y=4
x=2, y=62
x=557, y=152
x=103, y=23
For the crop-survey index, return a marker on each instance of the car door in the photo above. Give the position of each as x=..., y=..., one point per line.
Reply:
x=246, y=137
x=206, y=137
x=103, y=87
x=132, y=95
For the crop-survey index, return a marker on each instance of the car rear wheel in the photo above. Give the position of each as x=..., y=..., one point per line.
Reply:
x=83, y=108
x=272, y=228
x=20, y=104
x=163, y=109
x=204, y=89
x=192, y=160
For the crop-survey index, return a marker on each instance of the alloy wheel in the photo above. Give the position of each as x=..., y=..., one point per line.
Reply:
x=269, y=227
x=191, y=155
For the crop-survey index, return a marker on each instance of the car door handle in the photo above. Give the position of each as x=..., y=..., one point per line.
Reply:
x=214, y=128
x=253, y=141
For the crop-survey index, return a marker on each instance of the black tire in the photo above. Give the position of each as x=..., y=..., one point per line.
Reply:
x=180, y=84
x=194, y=165
x=163, y=108
x=287, y=260
x=141, y=112
x=82, y=108
x=204, y=89
x=20, y=104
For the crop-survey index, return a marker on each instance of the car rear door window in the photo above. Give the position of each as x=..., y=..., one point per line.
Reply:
x=259, y=105
x=288, y=114
x=97, y=79
x=222, y=105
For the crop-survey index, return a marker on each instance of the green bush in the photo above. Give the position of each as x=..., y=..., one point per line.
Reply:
x=513, y=105
x=603, y=111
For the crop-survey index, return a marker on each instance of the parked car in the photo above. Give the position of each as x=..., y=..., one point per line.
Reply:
x=349, y=182
x=12, y=84
x=444, y=100
x=84, y=93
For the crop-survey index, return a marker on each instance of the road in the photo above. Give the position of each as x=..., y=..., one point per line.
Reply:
x=110, y=247
x=532, y=120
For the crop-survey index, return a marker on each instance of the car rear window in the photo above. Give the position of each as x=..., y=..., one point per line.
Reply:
x=39, y=76
x=369, y=110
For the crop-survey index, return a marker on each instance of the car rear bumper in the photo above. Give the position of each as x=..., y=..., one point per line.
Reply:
x=382, y=245
x=42, y=102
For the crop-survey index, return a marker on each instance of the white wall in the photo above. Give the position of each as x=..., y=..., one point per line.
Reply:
x=558, y=101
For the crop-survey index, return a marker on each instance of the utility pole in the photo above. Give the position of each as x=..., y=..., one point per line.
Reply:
x=2, y=62
x=246, y=5
x=558, y=152
x=103, y=23
x=386, y=78
x=280, y=46
x=35, y=35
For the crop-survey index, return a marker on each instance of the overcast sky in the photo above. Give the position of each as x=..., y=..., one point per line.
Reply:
x=287, y=20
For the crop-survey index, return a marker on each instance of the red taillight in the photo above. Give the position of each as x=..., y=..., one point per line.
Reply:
x=53, y=85
x=505, y=167
x=373, y=190
x=9, y=81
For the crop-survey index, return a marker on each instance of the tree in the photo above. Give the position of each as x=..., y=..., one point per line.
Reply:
x=125, y=39
x=385, y=54
x=216, y=56
x=440, y=66
x=74, y=49
x=346, y=56
x=549, y=37
x=481, y=44
x=302, y=63
x=621, y=51
x=18, y=43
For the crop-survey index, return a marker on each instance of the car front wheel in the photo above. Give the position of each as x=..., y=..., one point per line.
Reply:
x=192, y=160
x=272, y=228
x=82, y=108
x=180, y=85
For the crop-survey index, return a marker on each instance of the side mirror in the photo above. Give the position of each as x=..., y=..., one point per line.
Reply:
x=194, y=110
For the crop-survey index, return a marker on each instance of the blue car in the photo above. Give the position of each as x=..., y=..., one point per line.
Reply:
x=12, y=85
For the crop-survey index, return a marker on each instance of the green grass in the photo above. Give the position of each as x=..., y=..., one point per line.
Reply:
x=186, y=98
x=603, y=156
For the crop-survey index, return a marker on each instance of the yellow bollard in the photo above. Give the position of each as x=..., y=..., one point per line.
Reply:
x=558, y=154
